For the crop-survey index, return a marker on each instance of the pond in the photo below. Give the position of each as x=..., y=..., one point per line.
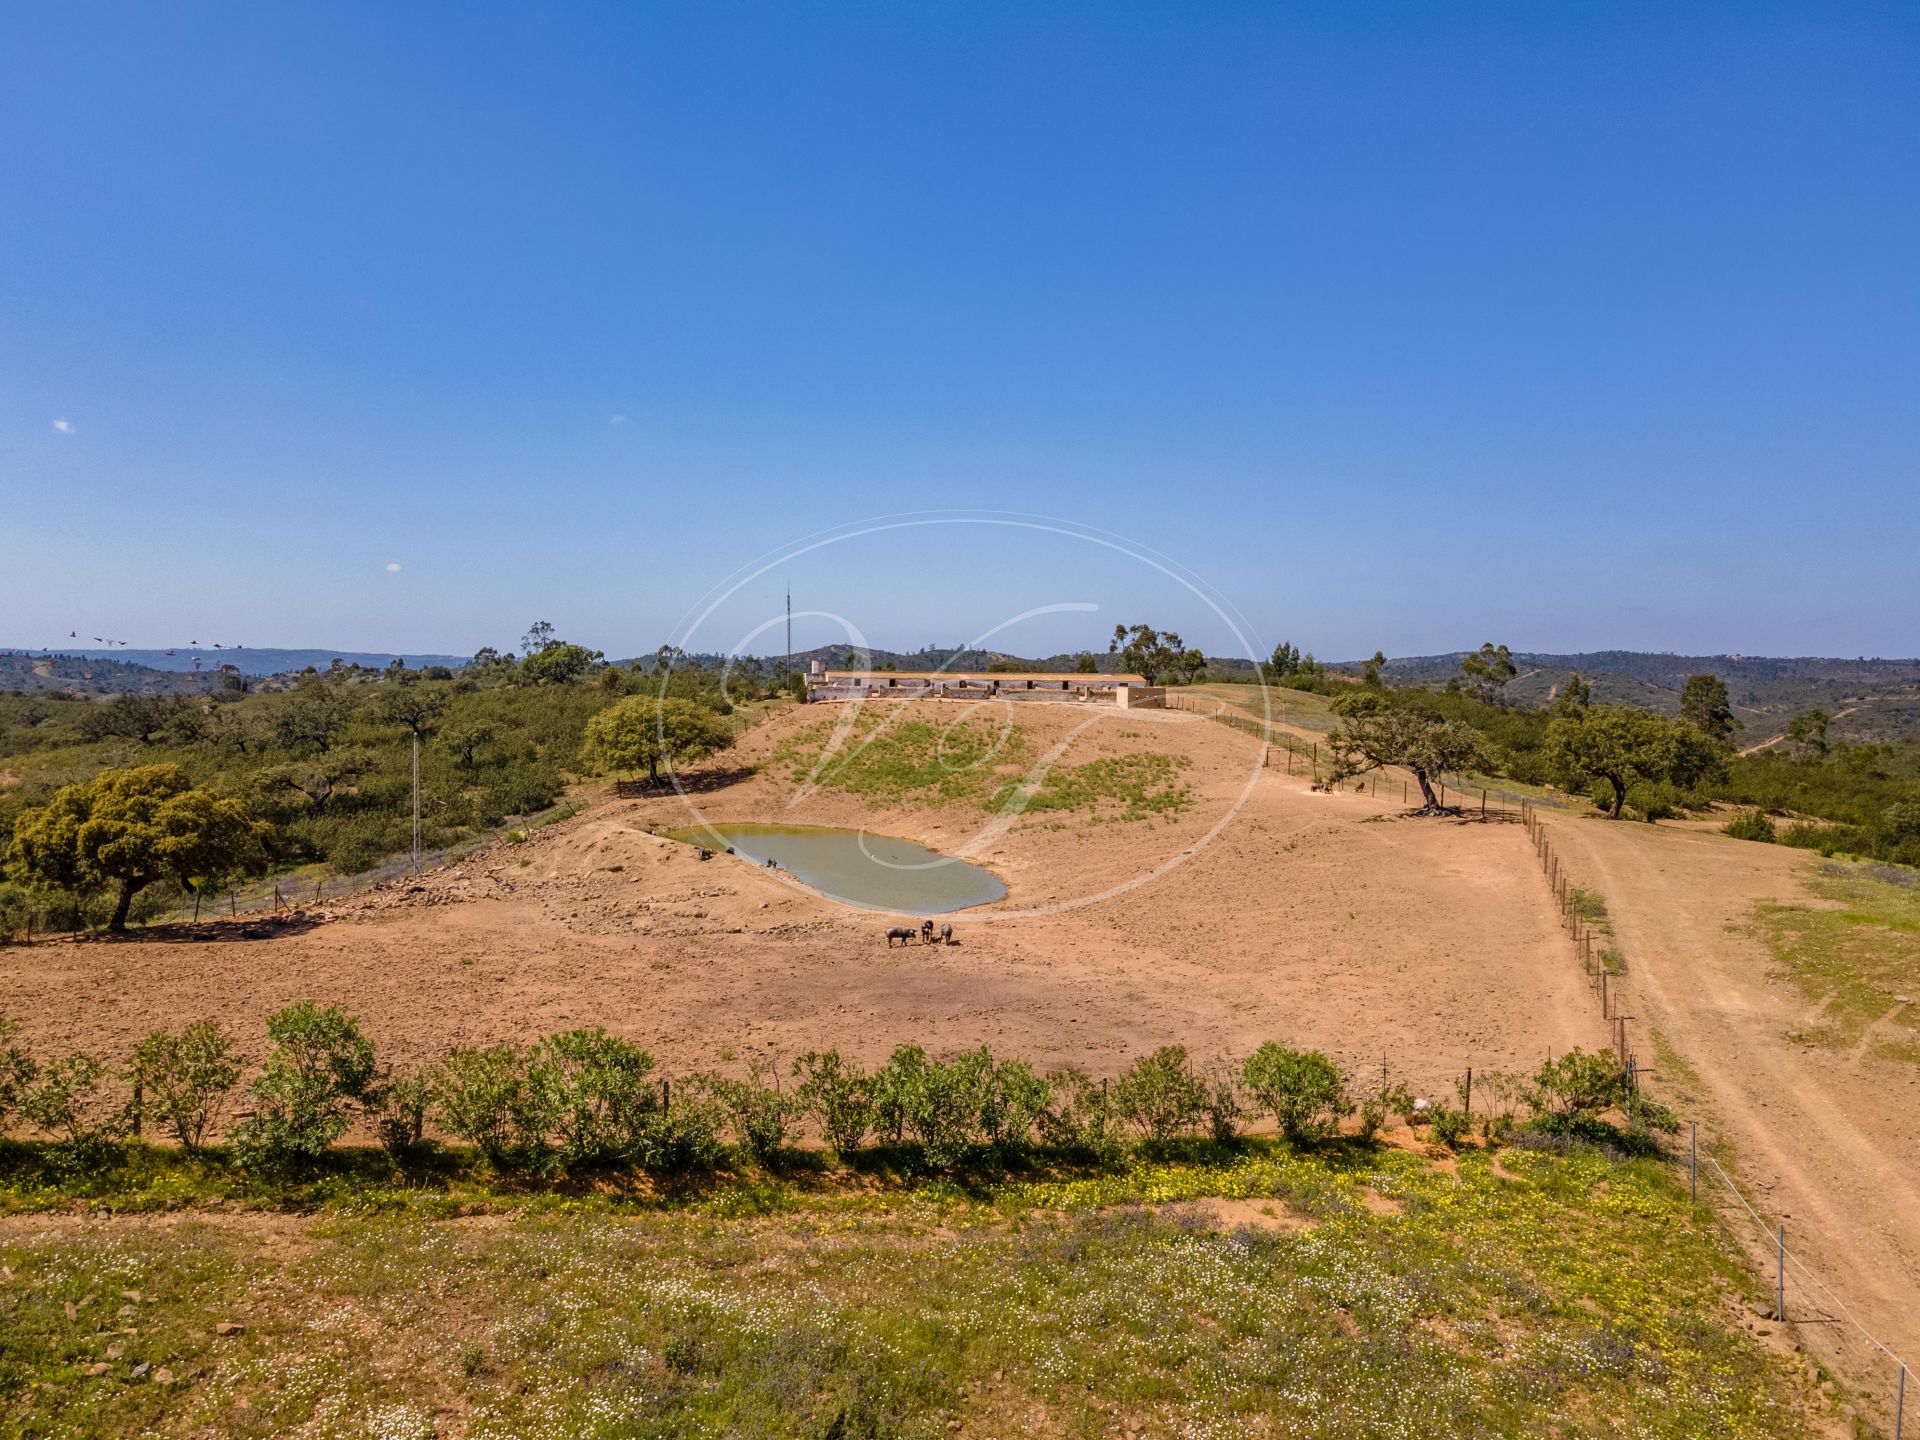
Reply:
x=856, y=867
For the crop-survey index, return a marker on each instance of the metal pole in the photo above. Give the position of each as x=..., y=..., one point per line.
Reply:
x=1900, y=1403
x=1780, y=1262
x=1693, y=1160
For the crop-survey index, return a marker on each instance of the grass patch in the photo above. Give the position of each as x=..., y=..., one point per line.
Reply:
x=902, y=760
x=1591, y=907
x=1564, y=1294
x=1858, y=962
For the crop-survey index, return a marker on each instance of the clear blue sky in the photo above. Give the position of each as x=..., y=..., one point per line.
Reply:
x=1403, y=326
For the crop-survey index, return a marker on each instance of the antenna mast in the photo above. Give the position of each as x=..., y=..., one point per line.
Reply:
x=789, y=629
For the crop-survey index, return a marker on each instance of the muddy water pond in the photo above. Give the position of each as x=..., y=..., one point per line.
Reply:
x=857, y=867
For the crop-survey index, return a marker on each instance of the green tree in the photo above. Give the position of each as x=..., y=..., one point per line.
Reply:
x=1374, y=732
x=558, y=664
x=1285, y=661
x=1625, y=746
x=1704, y=705
x=131, y=828
x=1487, y=671
x=1158, y=656
x=1370, y=670
x=1086, y=664
x=1807, y=734
x=1574, y=696
x=641, y=732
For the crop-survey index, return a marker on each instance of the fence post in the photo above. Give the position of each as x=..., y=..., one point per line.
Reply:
x=1900, y=1403
x=1466, y=1100
x=1693, y=1160
x=1780, y=1272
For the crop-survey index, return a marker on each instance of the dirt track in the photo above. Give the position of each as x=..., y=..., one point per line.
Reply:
x=1325, y=920
x=1829, y=1143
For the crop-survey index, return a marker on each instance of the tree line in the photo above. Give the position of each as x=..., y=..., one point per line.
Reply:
x=583, y=1099
x=127, y=806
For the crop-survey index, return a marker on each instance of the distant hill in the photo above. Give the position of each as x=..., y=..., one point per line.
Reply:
x=34, y=673
x=249, y=661
x=1870, y=699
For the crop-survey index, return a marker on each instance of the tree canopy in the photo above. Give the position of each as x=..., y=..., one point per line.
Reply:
x=642, y=732
x=1159, y=656
x=1704, y=705
x=1375, y=732
x=1624, y=747
x=1487, y=671
x=131, y=828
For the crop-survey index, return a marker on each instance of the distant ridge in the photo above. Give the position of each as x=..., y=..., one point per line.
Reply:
x=264, y=661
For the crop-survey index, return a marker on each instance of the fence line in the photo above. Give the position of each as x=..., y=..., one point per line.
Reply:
x=1598, y=976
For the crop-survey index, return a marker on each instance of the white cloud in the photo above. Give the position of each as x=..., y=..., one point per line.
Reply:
x=393, y=568
x=618, y=420
x=65, y=427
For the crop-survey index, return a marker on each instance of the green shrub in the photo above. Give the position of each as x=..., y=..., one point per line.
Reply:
x=687, y=1135
x=1572, y=1090
x=399, y=1107
x=185, y=1080
x=486, y=1097
x=837, y=1095
x=1378, y=1104
x=1654, y=800
x=321, y=1066
x=1450, y=1125
x=17, y=1070
x=894, y=1086
x=1222, y=1106
x=1300, y=1087
x=67, y=1104
x=1752, y=825
x=1160, y=1095
x=943, y=1107
x=599, y=1091
x=1011, y=1099
x=1082, y=1116
x=757, y=1109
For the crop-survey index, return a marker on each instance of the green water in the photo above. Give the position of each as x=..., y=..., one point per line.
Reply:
x=875, y=872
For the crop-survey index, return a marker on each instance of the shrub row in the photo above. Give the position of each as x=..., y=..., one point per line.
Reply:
x=583, y=1099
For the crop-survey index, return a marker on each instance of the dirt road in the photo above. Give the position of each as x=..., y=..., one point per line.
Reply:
x=1829, y=1143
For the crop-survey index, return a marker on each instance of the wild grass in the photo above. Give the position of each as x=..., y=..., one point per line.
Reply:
x=1857, y=960
x=1591, y=907
x=1250, y=1291
x=895, y=759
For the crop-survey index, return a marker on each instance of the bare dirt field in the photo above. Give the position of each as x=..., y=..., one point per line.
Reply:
x=1323, y=920
x=1828, y=1142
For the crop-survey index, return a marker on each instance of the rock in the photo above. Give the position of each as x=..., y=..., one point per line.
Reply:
x=163, y=1376
x=116, y=1350
x=229, y=1327
x=141, y=1369
x=73, y=1311
x=99, y=1367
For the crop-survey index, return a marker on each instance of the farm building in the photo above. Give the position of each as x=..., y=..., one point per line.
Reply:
x=1125, y=691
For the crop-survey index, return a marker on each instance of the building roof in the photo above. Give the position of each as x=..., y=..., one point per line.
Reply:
x=980, y=675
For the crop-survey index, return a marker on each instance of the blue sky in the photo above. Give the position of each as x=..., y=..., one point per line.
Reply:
x=1398, y=326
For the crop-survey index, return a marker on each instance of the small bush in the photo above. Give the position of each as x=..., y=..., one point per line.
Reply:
x=943, y=1105
x=399, y=1107
x=1302, y=1089
x=67, y=1104
x=321, y=1065
x=1082, y=1116
x=1752, y=825
x=185, y=1080
x=1161, y=1096
x=1221, y=1106
x=1011, y=1099
x=1450, y=1125
x=599, y=1091
x=1376, y=1106
x=687, y=1134
x=837, y=1095
x=757, y=1109
x=17, y=1070
x=894, y=1087
x=485, y=1098
x=1572, y=1090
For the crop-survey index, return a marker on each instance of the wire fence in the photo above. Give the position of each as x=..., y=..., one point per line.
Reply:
x=1606, y=980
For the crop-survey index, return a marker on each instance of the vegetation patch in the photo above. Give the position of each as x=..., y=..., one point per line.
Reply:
x=893, y=759
x=1547, y=1293
x=1858, y=961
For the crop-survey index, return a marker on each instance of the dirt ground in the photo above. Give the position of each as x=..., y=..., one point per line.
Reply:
x=1323, y=920
x=1827, y=1142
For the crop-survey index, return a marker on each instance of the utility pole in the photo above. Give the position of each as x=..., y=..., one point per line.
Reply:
x=789, y=629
